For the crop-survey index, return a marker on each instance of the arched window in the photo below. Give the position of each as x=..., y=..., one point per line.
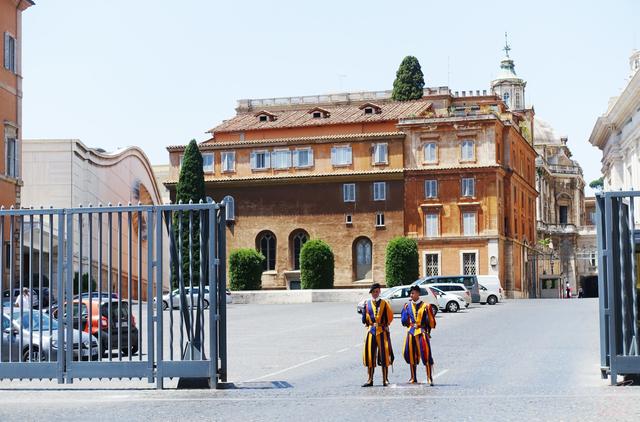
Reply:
x=362, y=251
x=266, y=244
x=297, y=239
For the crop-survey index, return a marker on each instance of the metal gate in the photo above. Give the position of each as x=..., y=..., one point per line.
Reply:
x=618, y=285
x=114, y=292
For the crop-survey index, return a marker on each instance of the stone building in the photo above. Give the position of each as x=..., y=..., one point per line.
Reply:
x=68, y=174
x=565, y=226
x=357, y=169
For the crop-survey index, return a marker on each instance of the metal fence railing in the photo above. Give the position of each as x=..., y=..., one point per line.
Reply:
x=114, y=292
x=618, y=248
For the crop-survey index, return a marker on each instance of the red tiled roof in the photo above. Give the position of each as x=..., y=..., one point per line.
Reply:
x=339, y=114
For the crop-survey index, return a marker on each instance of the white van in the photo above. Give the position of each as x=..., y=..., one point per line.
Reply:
x=491, y=282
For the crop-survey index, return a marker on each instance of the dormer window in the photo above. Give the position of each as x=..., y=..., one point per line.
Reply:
x=319, y=113
x=265, y=116
x=370, y=108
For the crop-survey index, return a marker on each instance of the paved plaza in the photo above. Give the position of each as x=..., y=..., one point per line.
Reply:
x=518, y=360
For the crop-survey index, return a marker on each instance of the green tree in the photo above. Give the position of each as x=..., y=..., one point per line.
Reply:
x=401, y=264
x=190, y=188
x=245, y=269
x=316, y=265
x=409, y=83
x=597, y=184
x=85, y=283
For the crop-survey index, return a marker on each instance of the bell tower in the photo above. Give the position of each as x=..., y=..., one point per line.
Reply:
x=507, y=84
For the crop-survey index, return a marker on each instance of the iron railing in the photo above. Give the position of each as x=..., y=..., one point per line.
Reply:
x=618, y=283
x=95, y=280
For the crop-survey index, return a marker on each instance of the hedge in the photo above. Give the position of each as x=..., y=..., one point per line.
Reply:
x=316, y=265
x=245, y=269
x=401, y=264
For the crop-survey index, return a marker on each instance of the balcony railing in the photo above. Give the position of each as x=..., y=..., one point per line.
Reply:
x=557, y=228
x=555, y=168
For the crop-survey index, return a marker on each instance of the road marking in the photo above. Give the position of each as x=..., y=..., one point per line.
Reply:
x=342, y=350
x=289, y=368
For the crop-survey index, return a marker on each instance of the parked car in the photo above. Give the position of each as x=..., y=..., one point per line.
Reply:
x=454, y=288
x=491, y=282
x=448, y=302
x=10, y=295
x=111, y=328
x=97, y=295
x=490, y=297
x=172, y=299
x=469, y=281
x=37, y=329
x=399, y=295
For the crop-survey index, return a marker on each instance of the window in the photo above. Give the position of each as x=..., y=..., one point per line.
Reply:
x=317, y=115
x=303, y=157
x=228, y=161
x=349, y=192
x=592, y=216
x=207, y=163
x=469, y=223
x=469, y=263
x=266, y=244
x=230, y=208
x=348, y=219
x=281, y=159
x=593, y=260
x=564, y=214
x=432, y=225
x=430, y=152
x=468, y=152
x=468, y=187
x=368, y=110
x=380, y=154
x=263, y=118
x=430, y=188
x=9, y=53
x=431, y=264
x=505, y=98
x=298, y=240
x=379, y=219
x=11, y=154
x=379, y=191
x=517, y=100
x=260, y=160
x=341, y=156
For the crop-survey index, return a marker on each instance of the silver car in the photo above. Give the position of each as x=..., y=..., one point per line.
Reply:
x=172, y=299
x=398, y=296
x=21, y=331
x=457, y=289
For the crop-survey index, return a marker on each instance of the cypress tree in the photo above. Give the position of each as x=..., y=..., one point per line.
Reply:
x=409, y=83
x=190, y=188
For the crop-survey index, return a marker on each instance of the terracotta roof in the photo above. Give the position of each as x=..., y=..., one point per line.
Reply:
x=339, y=114
x=309, y=175
x=215, y=145
x=266, y=177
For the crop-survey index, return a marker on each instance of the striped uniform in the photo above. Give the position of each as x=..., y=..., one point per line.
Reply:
x=419, y=320
x=377, y=315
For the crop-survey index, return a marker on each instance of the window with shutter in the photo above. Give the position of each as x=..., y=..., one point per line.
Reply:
x=341, y=156
x=380, y=154
x=430, y=188
x=468, y=187
x=379, y=191
x=349, y=192
x=228, y=159
x=430, y=152
x=468, y=150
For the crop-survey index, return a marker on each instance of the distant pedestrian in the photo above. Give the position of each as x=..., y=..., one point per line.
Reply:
x=418, y=317
x=580, y=293
x=24, y=299
x=568, y=290
x=377, y=316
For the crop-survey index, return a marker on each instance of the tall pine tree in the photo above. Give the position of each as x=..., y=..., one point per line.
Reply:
x=409, y=83
x=190, y=188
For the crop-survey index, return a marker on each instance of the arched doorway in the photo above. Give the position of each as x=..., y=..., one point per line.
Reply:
x=362, y=258
x=266, y=244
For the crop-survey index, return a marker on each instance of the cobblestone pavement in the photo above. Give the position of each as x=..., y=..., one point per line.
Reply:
x=518, y=360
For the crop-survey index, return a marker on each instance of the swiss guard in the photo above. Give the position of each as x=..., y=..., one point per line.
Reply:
x=418, y=317
x=377, y=316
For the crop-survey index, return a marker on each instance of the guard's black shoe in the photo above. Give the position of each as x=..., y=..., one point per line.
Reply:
x=368, y=384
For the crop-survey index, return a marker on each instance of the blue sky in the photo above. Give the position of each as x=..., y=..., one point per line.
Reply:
x=154, y=73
